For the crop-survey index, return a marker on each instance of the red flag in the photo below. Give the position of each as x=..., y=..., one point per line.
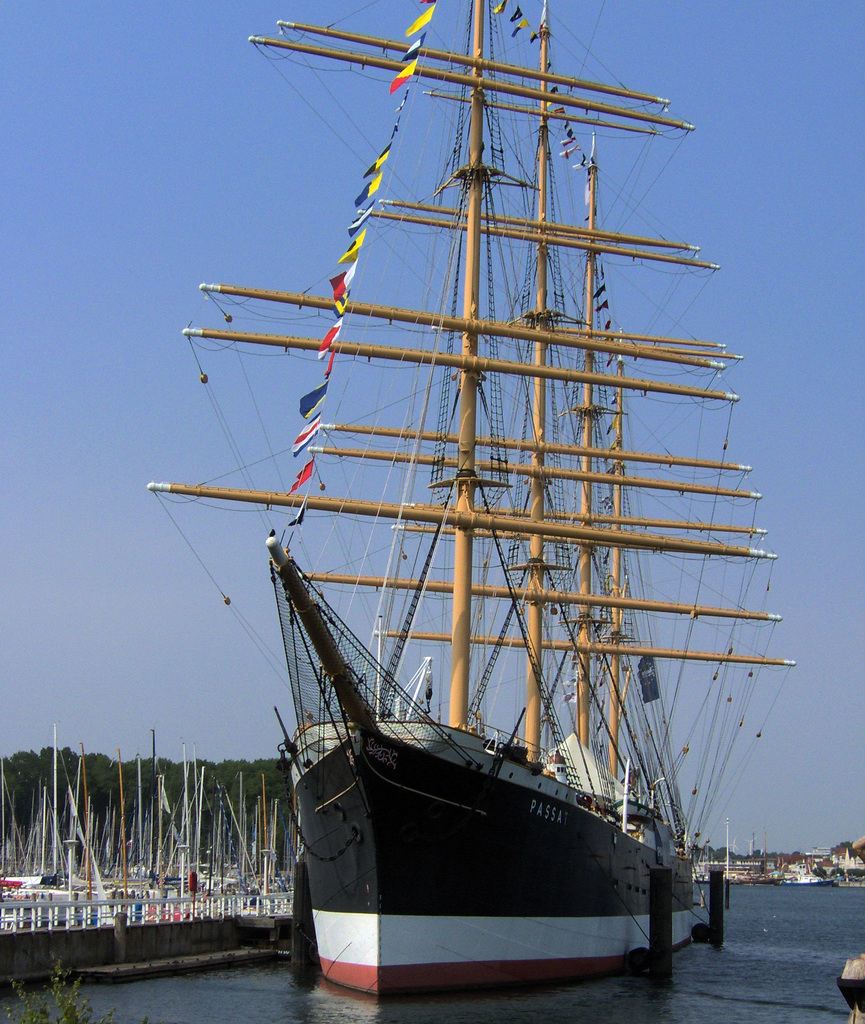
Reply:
x=329, y=365
x=302, y=476
x=342, y=282
x=330, y=338
x=403, y=76
x=307, y=435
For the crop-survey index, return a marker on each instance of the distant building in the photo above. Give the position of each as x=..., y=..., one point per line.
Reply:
x=844, y=858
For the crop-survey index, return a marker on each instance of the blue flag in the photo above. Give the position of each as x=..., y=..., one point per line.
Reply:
x=358, y=221
x=298, y=519
x=648, y=679
x=309, y=403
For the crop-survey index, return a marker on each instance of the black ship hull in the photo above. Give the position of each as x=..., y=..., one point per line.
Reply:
x=427, y=872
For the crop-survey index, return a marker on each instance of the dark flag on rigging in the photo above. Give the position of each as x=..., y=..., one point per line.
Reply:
x=648, y=679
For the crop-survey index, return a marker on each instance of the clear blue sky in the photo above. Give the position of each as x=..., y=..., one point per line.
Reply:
x=148, y=148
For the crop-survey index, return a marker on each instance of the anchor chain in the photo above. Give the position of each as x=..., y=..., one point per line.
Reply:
x=284, y=765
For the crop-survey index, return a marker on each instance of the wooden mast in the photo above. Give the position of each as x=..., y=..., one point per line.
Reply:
x=379, y=43
x=660, y=458
x=470, y=521
x=475, y=364
x=588, y=414
x=558, y=229
x=477, y=81
x=601, y=341
x=486, y=590
x=535, y=603
x=538, y=470
x=617, y=591
x=466, y=478
x=566, y=239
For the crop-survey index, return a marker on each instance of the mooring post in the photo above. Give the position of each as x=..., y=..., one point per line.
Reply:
x=120, y=937
x=716, y=907
x=661, y=922
x=302, y=923
x=852, y=985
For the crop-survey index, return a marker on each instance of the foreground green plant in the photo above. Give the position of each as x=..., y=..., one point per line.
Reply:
x=61, y=1003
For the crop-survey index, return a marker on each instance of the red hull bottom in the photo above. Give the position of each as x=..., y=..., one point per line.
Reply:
x=403, y=978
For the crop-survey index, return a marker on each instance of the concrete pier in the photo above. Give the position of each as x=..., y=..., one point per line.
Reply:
x=30, y=956
x=81, y=936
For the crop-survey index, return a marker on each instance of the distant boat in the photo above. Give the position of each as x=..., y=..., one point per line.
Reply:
x=803, y=874
x=807, y=879
x=19, y=882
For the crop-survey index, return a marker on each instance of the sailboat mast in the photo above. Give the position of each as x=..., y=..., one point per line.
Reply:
x=140, y=819
x=3, y=815
x=160, y=881
x=153, y=784
x=263, y=844
x=535, y=616
x=55, y=835
x=87, y=853
x=588, y=412
x=466, y=478
x=198, y=825
x=43, y=826
x=123, y=827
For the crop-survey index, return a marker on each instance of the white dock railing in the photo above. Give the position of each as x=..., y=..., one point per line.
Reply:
x=48, y=915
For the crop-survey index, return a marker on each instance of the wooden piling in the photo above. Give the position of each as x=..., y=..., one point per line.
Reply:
x=716, y=907
x=303, y=950
x=661, y=922
x=120, y=922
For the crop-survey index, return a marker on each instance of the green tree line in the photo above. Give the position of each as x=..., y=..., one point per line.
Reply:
x=27, y=773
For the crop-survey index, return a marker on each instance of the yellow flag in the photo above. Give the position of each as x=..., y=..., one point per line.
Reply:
x=424, y=19
x=350, y=255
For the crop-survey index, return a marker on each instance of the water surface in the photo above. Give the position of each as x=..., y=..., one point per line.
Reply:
x=784, y=949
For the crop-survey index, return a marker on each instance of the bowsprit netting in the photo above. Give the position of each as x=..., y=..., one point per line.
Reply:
x=391, y=707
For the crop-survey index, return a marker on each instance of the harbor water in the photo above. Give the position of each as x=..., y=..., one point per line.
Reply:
x=784, y=949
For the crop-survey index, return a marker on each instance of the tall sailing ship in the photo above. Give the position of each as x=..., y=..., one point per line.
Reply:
x=500, y=828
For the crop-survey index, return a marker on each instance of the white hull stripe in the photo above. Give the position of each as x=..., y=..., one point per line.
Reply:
x=401, y=953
